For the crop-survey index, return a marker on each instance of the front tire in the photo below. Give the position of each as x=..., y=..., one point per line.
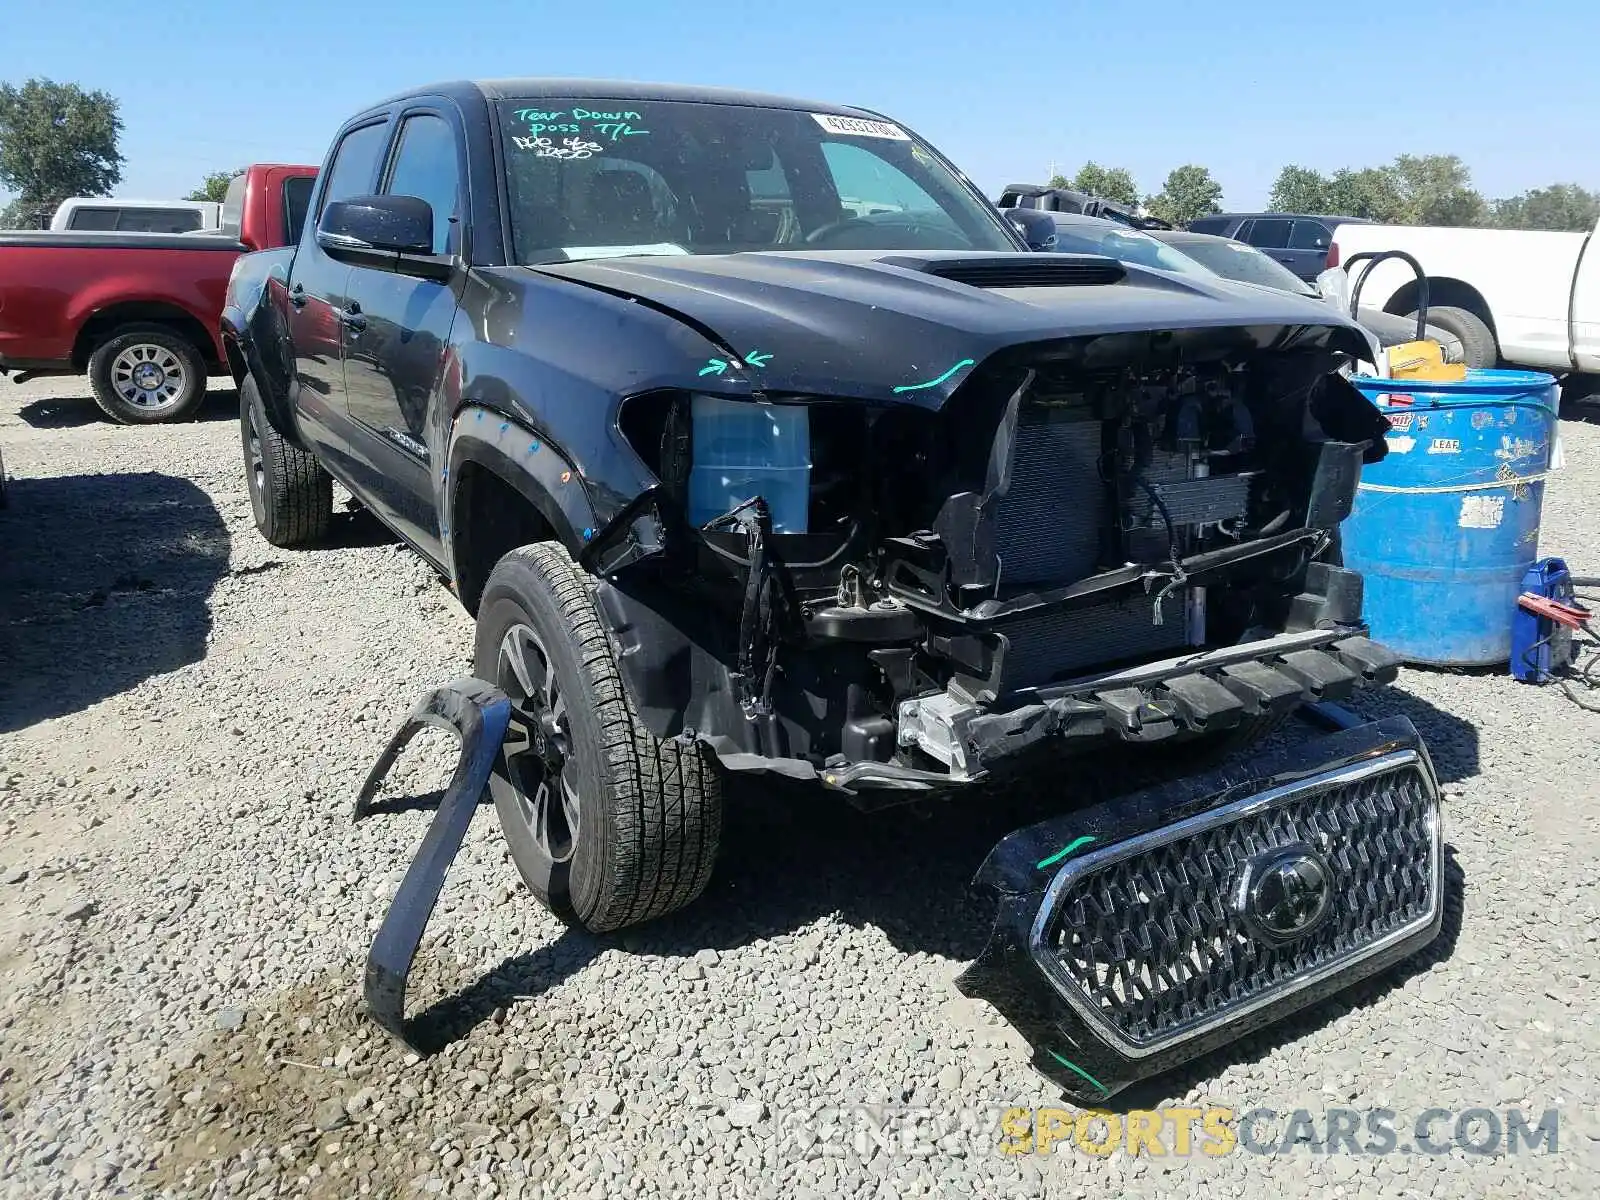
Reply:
x=146, y=375
x=607, y=824
x=291, y=496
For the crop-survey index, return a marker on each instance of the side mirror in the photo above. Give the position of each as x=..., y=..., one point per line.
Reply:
x=393, y=233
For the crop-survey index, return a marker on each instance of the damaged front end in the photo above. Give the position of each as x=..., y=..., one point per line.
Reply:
x=1127, y=537
x=1112, y=540
x=1137, y=934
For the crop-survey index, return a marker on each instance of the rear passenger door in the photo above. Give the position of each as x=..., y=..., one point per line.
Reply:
x=1308, y=248
x=399, y=332
x=1299, y=244
x=1270, y=235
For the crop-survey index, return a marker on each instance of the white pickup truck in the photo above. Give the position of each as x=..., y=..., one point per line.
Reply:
x=1525, y=298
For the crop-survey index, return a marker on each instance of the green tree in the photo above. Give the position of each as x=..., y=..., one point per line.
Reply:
x=57, y=140
x=24, y=214
x=1059, y=181
x=1299, y=190
x=1189, y=192
x=1109, y=183
x=1371, y=192
x=215, y=187
x=1436, y=189
x=1561, y=206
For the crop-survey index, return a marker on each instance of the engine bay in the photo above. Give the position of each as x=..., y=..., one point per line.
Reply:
x=1058, y=517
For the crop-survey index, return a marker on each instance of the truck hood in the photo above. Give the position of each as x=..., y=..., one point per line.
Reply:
x=908, y=328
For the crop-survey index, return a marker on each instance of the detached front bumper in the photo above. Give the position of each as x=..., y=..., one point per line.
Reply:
x=1142, y=932
x=1190, y=695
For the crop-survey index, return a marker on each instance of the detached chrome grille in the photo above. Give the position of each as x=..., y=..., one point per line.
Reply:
x=1148, y=939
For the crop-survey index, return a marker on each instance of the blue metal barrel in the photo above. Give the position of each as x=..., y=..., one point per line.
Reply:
x=1445, y=527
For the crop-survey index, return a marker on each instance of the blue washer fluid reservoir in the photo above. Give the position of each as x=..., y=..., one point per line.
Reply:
x=743, y=448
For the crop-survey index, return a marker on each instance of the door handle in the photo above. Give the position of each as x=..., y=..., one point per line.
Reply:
x=351, y=317
x=297, y=295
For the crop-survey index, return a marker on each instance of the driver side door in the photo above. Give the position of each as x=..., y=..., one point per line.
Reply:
x=398, y=336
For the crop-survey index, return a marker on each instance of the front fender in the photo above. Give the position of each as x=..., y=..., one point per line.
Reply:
x=540, y=472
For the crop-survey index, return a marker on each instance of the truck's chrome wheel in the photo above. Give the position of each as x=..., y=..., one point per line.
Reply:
x=149, y=376
x=536, y=744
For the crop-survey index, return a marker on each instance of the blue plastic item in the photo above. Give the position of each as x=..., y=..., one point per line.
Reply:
x=742, y=449
x=1540, y=646
x=1447, y=525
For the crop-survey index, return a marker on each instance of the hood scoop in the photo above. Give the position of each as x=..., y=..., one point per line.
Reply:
x=1026, y=271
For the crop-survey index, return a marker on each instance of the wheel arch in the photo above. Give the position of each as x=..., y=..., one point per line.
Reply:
x=104, y=324
x=1443, y=292
x=504, y=487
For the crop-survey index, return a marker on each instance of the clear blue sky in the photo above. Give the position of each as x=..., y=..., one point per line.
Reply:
x=1241, y=86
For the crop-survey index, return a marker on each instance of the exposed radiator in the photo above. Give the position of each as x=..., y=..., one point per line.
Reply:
x=1049, y=524
x=1055, y=644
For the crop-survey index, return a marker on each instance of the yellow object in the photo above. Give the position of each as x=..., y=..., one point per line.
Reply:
x=1424, y=360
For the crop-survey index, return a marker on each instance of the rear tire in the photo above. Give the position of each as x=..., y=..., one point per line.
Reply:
x=607, y=824
x=145, y=375
x=291, y=496
x=1478, y=346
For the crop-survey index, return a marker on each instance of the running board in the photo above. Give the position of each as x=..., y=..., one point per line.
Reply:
x=478, y=713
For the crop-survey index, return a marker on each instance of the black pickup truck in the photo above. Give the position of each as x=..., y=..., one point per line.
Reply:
x=757, y=441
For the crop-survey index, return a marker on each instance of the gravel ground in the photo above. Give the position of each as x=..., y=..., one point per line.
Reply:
x=186, y=714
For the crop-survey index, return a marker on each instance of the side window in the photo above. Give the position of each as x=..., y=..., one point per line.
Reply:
x=1309, y=235
x=355, y=164
x=1269, y=234
x=868, y=184
x=425, y=166
x=94, y=218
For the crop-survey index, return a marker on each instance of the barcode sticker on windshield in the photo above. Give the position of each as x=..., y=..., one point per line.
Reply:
x=858, y=127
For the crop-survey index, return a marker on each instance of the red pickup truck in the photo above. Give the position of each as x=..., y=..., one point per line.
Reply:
x=139, y=313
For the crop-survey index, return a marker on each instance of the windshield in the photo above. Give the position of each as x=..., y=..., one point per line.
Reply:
x=1235, y=260
x=1124, y=245
x=602, y=178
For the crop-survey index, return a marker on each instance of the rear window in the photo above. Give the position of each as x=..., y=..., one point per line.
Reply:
x=1210, y=225
x=137, y=220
